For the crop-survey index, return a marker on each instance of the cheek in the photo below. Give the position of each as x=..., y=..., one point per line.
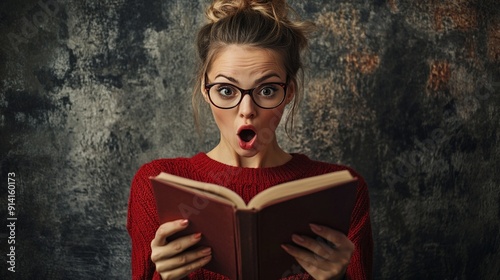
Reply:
x=270, y=122
x=273, y=117
x=222, y=118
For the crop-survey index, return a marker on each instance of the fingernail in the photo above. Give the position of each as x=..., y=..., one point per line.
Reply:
x=207, y=258
x=297, y=238
x=184, y=222
x=206, y=251
x=197, y=236
x=284, y=247
x=315, y=227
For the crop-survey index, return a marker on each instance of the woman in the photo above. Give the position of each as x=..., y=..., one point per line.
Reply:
x=250, y=60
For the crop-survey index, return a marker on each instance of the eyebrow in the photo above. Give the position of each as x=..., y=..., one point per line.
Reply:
x=258, y=81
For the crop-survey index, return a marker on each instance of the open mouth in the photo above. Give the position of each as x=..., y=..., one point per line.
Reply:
x=246, y=135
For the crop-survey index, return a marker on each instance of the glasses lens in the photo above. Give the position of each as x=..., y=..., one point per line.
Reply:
x=224, y=95
x=266, y=96
x=269, y=95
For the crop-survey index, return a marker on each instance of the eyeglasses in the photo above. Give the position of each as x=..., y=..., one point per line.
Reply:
x=227, y=96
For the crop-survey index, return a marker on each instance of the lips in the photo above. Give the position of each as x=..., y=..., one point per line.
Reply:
x=247, y=135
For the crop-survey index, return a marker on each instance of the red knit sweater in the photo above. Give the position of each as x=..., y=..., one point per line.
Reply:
x=143, y=221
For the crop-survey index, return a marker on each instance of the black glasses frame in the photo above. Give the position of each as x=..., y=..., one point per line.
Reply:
x=245, y=91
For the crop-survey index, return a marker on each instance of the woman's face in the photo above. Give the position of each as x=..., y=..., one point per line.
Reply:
x=247, y=129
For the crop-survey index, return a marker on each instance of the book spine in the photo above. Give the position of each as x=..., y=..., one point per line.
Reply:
x=247, y=245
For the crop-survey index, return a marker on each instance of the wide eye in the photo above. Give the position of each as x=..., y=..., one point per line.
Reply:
x=226, y=91
x=267, y=91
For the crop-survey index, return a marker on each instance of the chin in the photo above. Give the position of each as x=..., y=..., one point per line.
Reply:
x=247, y=153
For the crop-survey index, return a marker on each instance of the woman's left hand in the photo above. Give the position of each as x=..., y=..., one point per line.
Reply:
x=325, y=257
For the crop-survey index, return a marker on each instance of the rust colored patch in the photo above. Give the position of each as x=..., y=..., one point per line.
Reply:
x=494, y=41
x=463, y=15
x=364, y=63
x=439, y=75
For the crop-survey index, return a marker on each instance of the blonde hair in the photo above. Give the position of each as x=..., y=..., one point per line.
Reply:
x=259, y=23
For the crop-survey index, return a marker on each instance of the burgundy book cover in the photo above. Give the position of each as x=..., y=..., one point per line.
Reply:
x=215, y=220
x=246, y=243
x=276, y=224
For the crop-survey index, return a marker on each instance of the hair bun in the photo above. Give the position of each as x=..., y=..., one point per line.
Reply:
x=220, y=9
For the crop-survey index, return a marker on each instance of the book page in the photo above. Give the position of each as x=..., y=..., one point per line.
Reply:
x=215, y=190
x=298, y=187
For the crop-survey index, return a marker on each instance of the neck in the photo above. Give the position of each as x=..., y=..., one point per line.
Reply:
x=272, y=156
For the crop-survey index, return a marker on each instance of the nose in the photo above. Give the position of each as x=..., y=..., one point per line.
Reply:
x=247, y=107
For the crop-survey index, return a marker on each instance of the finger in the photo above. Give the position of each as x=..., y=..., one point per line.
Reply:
x=183, y=259
x=167, y=229
x=318, y=246
x=335, y=238
x=302, y=254
x=174, y=247
x=184, y=271
x=294, y=251
x=312, y=263
x=320, y=273
x=319, y=254
x=180, y=244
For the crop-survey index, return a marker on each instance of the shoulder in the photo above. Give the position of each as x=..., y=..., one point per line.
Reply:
x=362, y=206
x=318, y=167
x=175, y=166
x=141, y=188
x=312, y=167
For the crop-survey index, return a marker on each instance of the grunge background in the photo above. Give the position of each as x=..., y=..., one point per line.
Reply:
x=406, y=92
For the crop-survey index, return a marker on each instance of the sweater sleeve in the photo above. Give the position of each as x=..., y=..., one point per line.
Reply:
x=142, y=223
x=360, y=233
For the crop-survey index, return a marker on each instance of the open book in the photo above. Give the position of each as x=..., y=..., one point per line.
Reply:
x=245, y=239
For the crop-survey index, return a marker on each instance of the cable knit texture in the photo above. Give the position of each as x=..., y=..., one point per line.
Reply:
x=143, y=220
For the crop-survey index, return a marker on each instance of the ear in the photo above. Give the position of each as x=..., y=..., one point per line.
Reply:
x=204, y=92
x=290, y=92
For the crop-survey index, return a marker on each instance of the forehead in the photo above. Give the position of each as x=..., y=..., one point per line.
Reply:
x=242, y=60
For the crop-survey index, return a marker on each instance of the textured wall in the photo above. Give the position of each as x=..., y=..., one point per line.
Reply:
x=407, y=92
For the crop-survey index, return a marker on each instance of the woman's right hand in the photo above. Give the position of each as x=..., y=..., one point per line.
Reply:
x=170, y=258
